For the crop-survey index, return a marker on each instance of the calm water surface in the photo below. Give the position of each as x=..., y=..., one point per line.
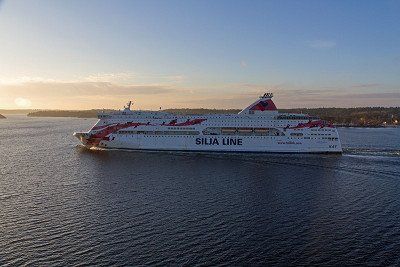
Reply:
x=61, y=204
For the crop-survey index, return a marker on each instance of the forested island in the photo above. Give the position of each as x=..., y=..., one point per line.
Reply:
x=66, y=113
x=17, y=111
x=348, y=117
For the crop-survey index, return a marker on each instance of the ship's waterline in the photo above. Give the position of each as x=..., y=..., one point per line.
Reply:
x=257, y=128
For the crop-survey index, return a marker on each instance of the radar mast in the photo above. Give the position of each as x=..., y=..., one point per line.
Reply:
x=128, y=106
x=267, y=95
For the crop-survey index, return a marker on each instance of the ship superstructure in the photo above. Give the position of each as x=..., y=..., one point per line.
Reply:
x=257, y=128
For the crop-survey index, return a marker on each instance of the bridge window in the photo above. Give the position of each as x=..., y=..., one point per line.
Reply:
x=296, y=134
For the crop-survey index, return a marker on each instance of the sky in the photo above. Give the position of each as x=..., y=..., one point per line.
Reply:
x=75, y=54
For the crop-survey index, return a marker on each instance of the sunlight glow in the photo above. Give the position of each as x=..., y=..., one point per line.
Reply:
x=22, y=102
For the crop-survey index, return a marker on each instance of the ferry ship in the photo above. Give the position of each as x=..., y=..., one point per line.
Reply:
x=257, y=128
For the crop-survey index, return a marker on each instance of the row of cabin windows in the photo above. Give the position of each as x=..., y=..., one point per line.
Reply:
x=320, y=134
x=331, y=138
x=242, y=131
x=180, y=128
x=223, y=131
x=197, y=133
x=161, y=132
x=285, y=117
x=251, y=137
x=323, y=130
x=248, y=133
x=230, y=121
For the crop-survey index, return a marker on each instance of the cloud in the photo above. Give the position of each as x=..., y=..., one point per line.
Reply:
x=87, y=95
x=322, y=44
x=111, y=77
x=99, y=90
x=336, y=98
x=70, y=89
x=284, y=98
x=366, y=85
x=388, y=95
x=24, y=79
x=243, y=64
x=174, y=78
x=127, y=77
x=290, y=96
x=255, y=87
x=123, y=77
x=50, y=94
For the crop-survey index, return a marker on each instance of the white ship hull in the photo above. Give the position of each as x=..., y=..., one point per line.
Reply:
x=247, y=131
x=222, y=144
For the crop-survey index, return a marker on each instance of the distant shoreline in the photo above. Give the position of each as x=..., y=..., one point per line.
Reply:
x=372, y=117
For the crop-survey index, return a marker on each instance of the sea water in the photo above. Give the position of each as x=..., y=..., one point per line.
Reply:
x=62, y=204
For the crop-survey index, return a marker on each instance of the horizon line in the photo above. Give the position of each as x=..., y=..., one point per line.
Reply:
x=99, y=109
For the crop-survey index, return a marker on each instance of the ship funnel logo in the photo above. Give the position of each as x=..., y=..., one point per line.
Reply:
x=264, y=105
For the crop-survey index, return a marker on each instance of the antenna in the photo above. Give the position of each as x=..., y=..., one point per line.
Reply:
x=128, y=105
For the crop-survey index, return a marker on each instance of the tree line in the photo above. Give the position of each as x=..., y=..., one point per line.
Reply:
x=363, y=116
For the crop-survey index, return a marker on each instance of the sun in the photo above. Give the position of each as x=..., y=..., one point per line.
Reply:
x=23, y=102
